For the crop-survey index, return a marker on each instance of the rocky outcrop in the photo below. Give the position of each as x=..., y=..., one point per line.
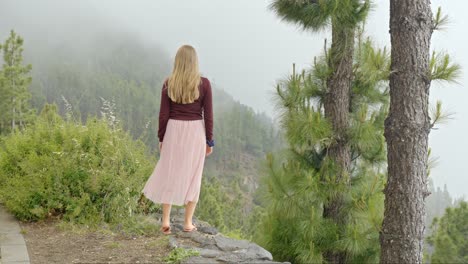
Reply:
x=213, y=246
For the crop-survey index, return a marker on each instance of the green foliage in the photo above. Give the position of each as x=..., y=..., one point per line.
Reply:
x=119, y=81
x=118, y=69
x=14, y=83
x=136, y=224
x=81, y=173
x=438, y=116
x=126, y=76
x=441, y=68
x=317, y=15
x=231, y=173
x=302, y=180
x=241, y=134
x=133, y=82
x=222, y=205
x=449, y=236
x=439, y=20
x=211, y=204
x=178, y=254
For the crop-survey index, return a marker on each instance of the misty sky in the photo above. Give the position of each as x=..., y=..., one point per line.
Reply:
x=244, y=48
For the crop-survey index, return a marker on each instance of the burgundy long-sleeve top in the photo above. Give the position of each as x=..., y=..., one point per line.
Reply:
x=201, y=108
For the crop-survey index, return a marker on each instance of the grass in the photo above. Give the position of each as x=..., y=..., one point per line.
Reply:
x=136, y=225
x=112, y=244
x=159, y=243
x=178, y=254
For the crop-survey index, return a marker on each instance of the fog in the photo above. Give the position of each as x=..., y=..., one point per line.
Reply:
x=244, y=48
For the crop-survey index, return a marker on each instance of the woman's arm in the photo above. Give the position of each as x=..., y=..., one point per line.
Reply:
x=163, y=112
x=208, y=111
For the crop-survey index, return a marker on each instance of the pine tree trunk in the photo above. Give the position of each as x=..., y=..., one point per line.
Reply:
x=406, y=131
x=337, y=107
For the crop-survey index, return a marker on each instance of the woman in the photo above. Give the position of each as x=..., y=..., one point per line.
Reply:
x=185, y=139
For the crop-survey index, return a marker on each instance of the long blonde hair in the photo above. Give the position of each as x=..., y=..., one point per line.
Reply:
x=185, y=78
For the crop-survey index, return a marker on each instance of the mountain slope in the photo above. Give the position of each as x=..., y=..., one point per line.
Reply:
x=118, y=72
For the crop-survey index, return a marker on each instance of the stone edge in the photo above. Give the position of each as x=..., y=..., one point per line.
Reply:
x=13, y=247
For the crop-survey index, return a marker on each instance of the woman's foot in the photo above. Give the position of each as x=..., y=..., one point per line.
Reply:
x=166, y=229
x=189, y=228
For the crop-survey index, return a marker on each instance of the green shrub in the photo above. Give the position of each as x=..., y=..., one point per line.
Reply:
x=82, y=173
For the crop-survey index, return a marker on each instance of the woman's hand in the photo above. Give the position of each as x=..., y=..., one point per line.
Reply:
x=160, y=146
x=209, y=150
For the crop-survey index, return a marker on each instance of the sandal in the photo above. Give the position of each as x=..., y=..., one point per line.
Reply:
x=191, y=229
x=166, y=229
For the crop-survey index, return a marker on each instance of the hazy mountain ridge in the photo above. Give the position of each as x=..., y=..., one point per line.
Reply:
x=127, y=74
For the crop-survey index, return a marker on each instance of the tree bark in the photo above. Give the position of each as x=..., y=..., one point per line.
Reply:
x=336, y=105
x=406, y=131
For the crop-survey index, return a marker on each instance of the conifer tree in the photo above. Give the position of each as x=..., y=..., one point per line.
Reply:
x=408, y=125
x=342, y=17
x=301, y=185
x=14, y=86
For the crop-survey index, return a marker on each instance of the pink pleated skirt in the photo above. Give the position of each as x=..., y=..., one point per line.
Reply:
x=177, y=177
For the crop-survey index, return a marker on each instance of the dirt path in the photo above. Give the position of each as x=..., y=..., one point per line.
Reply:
x=47, y=243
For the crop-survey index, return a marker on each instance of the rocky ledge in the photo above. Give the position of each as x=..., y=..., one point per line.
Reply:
x=213, y=246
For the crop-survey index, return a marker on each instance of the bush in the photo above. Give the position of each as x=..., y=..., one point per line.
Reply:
x=81, y=173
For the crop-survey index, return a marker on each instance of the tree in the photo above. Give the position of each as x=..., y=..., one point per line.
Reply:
x=301, y=185
x=14, y=83
x=342, y=17
x=407, y=127
x=449, y=236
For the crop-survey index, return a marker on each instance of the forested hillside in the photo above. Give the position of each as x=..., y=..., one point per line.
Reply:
x=340, y=174
x=124, y=76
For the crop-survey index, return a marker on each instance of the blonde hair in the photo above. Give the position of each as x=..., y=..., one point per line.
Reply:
x=183, y=83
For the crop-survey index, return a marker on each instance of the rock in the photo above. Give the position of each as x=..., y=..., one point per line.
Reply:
x=177, y=227
x=199, y=259
x=208, y=253
x=204, y=240
x=255, y=251
x=213, y=246
x=172, y=242
x=186, y=246
x=178, y=219
x=264, y=261
x=191, y=235
x=177, y=211
x=208, y=230
x=220, y=249
x=230, y=244
x=232, y=258
x=157, y=217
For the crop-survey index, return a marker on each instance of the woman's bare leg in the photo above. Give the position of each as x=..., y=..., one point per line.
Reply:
x=189, y=210
x=166, y=214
